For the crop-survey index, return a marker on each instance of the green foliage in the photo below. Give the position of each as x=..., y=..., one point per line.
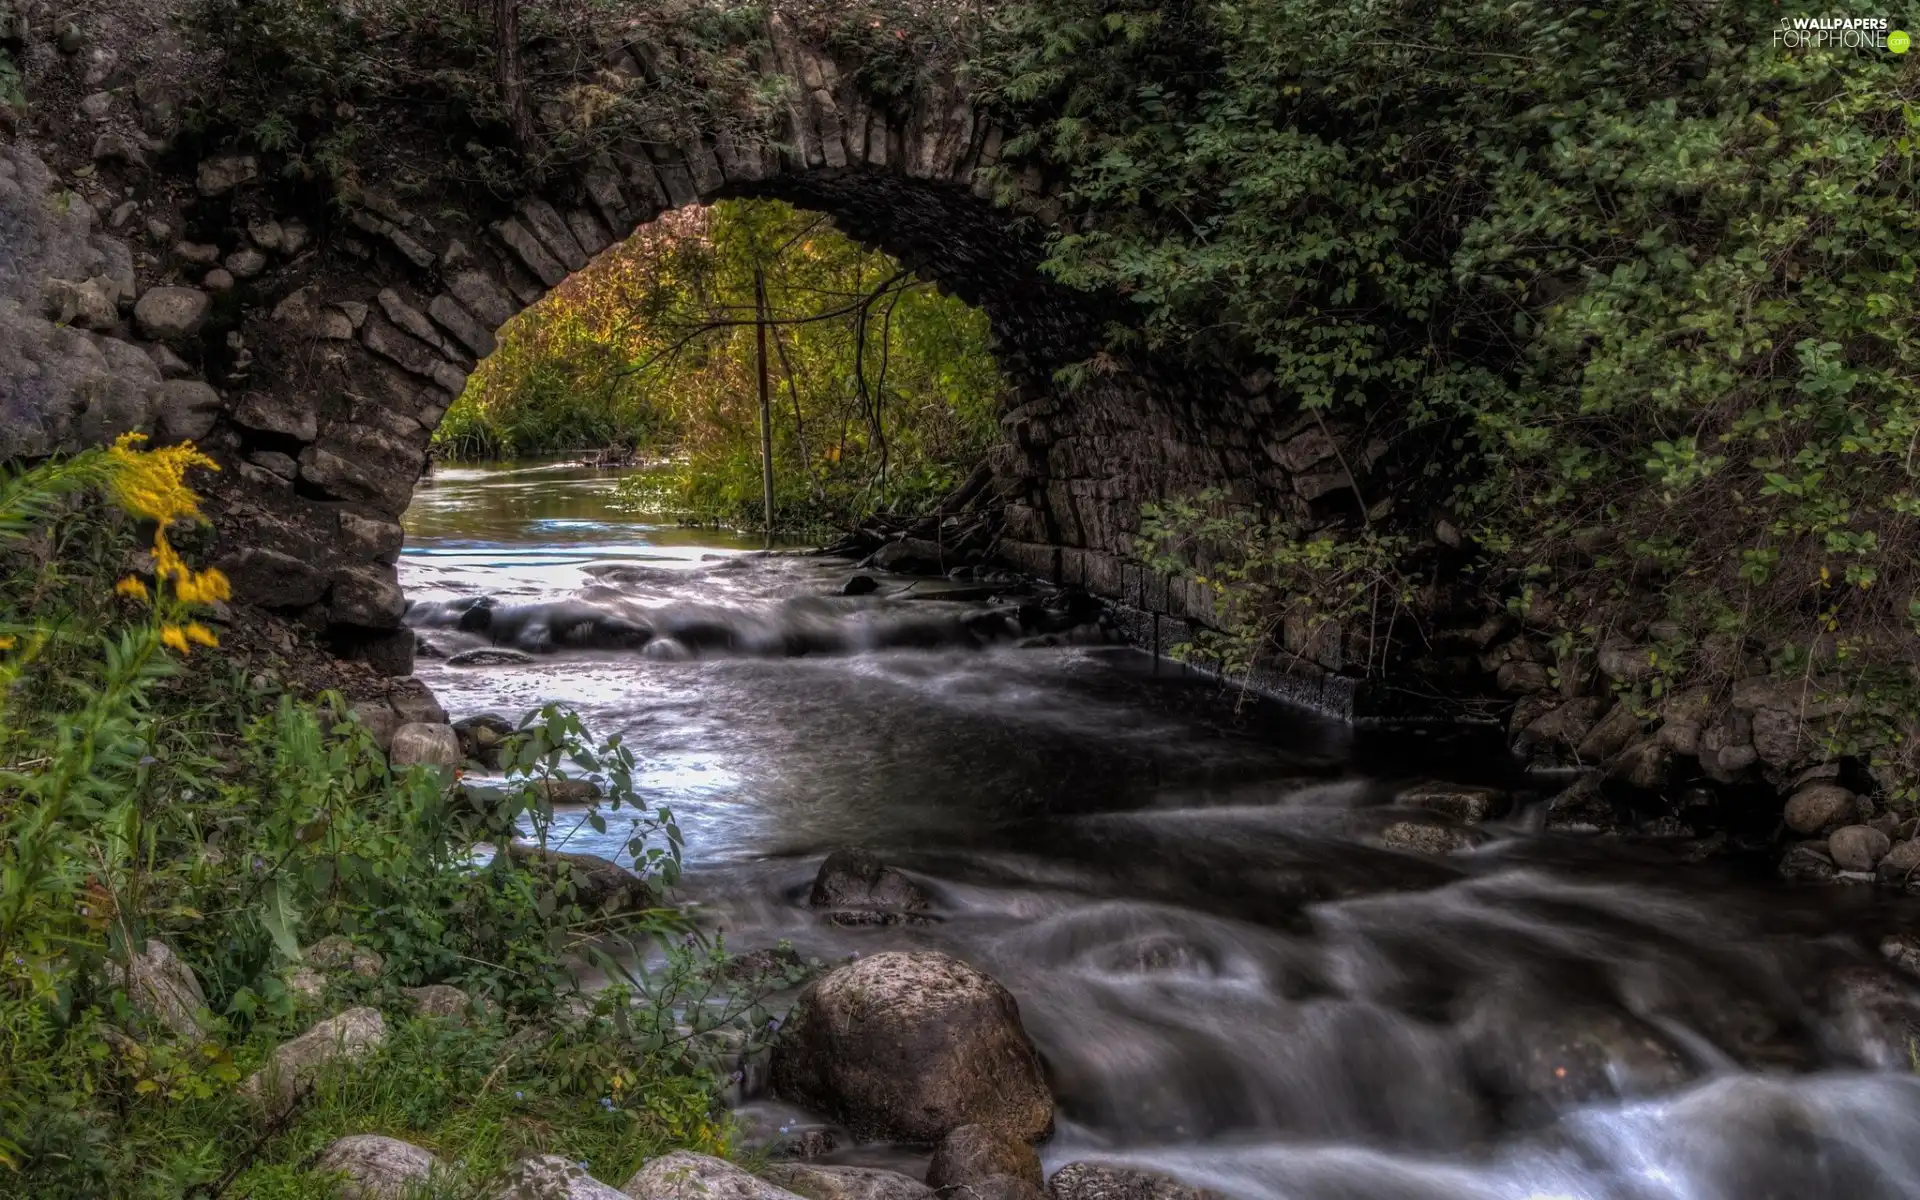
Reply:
x=343, y=92
x=883, y=391
x=1627, y=289
x=1268, y=583
x=150, y=790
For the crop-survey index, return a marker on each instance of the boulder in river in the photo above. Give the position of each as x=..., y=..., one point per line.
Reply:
x=973, y=1152
x=377, y=1168
x=1542, y=1060
x=491, y=656
x=1874, y=1018
x=858, y=879
x=859, y=585
x=1424, y=838
x=1467, y=805
x=481, y=737
x=845, y=1183
x=598, y=885
x=1096, y=1181
x=684, y=1175
x=910, y=1045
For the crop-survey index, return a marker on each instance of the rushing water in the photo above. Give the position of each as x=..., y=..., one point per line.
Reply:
x=1230, y=974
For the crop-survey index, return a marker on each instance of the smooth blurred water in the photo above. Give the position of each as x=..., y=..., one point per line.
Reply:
x=1229, y=972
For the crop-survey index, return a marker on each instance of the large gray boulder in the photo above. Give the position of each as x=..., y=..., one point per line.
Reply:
x=550, y=1177
x=346, y=1038
x=684, y=1175
x=187, y=410
x=372, y=1167
x=910, y=1045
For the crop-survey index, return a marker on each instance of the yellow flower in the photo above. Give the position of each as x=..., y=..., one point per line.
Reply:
x=152, y=483
x=206, y=587
x=196, y=632
x=131, y=587
x=173, y=635
x=7, y=641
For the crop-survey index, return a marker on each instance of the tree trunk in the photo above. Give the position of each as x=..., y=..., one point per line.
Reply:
x=766, y=397
x=512, y=82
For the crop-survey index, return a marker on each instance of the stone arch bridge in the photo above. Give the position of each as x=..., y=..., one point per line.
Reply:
x=313, y=348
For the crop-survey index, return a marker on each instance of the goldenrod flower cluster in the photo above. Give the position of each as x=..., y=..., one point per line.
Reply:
x=152, y=484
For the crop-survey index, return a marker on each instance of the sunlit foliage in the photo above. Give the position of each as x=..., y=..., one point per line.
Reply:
x=883, y=390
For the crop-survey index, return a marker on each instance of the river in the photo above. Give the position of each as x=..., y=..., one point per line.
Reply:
x=1231, y=972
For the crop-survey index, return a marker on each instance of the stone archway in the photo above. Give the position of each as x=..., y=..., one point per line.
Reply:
x=339, y=337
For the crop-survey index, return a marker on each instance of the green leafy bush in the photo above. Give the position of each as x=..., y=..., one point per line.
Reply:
x=1628, y=290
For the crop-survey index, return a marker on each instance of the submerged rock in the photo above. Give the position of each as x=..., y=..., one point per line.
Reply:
x=1467, y=805
x=910, y=1045
x=1422, y=838
x=860, y=585
x=1541, y=1062
x=1875, y=1018
x=858, y=879
x=491, y=656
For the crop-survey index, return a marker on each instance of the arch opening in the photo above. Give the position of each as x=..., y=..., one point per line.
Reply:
x=880, y=392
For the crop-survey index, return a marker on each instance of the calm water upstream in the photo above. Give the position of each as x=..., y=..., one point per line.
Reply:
x=1229, y=975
